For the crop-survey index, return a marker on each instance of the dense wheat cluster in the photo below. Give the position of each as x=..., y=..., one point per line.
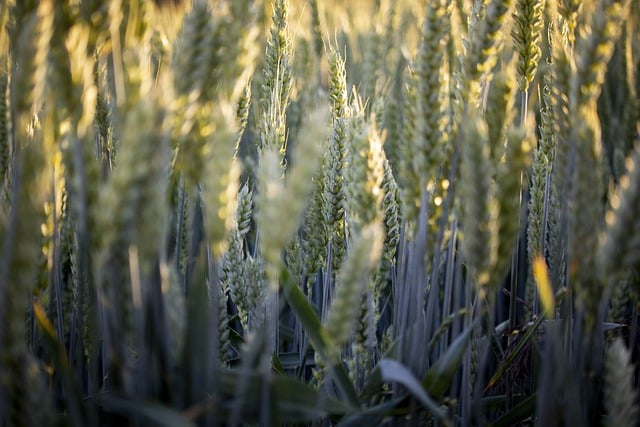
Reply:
x=291, y=212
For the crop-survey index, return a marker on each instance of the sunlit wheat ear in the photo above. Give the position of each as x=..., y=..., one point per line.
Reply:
x=477, y=201
x=429, y=117
x=351, y=285
x=585, y=213
x=285, y=197
x=595, y=50
x=193, y=66
x=485, y=45
x=365, y=177
x=276, y=81
x=620, y=398
x=134, y=198
x=337, y=86
x=19, y=377
x=82, y=80
x=278, y=59
x=221, y=181
x=193, y=53
x=526, y=33
x=239, y=48
x=30, y=47
x=619, y=248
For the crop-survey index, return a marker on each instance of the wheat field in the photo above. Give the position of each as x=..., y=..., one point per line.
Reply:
x=316, y=213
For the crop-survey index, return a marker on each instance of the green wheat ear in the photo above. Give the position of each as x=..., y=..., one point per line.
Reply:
x=423, y=112
x=285, y=196
x=351, y=286
x=509, y=178
x=527, y=38
x=335, y=162
x=479, y=209
x=276, y=81
x=620, y=398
